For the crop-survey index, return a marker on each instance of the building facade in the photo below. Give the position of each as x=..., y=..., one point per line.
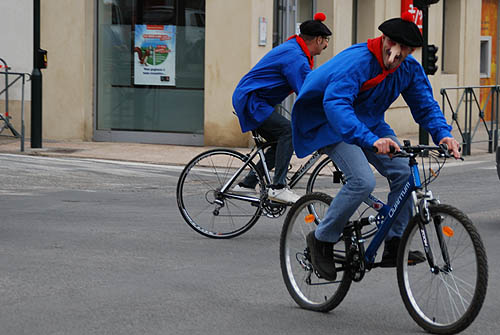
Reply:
x=163, y=71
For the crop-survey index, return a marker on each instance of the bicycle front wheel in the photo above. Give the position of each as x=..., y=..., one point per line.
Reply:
x=205, y=208
x=306, y=288
x=447, y=298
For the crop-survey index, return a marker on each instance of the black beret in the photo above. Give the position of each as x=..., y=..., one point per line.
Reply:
x=315, y=27
x=402, y=31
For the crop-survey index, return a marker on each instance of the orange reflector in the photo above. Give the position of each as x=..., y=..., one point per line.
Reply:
x=448, y=231
x=309, y=218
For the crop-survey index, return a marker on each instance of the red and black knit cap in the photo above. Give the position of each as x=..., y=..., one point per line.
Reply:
x=403, y=30
x=315, y=27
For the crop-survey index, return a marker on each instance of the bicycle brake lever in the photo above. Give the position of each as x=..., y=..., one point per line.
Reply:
x=392, y=150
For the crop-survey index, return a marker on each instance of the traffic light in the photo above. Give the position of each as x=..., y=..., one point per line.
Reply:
x=432, y=58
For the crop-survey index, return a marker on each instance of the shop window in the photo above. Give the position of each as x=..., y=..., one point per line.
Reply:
x=150, y=65
x=485, y=54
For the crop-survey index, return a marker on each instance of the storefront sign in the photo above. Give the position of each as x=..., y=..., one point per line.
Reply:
x=154, y=55
x=407, y=6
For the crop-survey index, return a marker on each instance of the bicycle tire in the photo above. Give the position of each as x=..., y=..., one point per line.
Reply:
x=325, y=177
x=328, y=178
x=316, y=295
x=198, y=187
x=446, y=302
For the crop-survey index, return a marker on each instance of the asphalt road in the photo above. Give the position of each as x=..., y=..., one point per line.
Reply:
x=96, y=247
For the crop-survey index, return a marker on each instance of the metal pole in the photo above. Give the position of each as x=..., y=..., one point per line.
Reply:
x=466, y=123
x=6, y=89
x=22, y=114
x=36, y=82
x=490, y=132
x=496, y=118
x=423, y=136
x=466, y=141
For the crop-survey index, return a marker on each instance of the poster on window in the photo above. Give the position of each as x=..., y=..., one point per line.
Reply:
x=154, y=55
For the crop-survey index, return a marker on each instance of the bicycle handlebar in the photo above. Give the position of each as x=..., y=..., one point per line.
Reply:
x=409, y=150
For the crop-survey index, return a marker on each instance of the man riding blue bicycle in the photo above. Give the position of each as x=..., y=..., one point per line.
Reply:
x=340, y=111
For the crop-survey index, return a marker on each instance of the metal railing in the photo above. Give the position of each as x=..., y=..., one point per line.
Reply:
x=5, y=117
x=469, y=102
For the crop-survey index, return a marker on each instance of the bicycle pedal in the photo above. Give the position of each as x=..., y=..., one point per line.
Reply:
x=413, y=263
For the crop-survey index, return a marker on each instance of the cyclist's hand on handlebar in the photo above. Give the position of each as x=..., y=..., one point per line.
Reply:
x=386, y=146
x=453, y=146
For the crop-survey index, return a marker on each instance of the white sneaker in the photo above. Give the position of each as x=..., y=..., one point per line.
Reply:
x=243, y=190
x=282, y=195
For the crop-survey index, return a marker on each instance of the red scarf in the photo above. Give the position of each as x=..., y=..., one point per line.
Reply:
x=304, y=48
x=375, y=47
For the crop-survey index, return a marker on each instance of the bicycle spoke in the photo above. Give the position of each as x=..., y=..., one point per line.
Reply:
x=305, y=287
x=198, y=213
x=453, y=291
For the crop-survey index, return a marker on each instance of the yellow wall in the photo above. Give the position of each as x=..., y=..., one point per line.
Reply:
x=231, y=50
x=339, y=20
x=67, y=29
x=489, y=23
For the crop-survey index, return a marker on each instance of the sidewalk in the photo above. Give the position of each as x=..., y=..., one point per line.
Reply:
x=137, y=152
x=133, y=152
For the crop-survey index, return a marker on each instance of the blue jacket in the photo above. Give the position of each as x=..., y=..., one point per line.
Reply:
x=331, y=108
x=281, y=71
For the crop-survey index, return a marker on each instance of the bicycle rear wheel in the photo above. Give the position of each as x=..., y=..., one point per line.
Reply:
x=446, y=300
x=309, y=291
x=205, y=208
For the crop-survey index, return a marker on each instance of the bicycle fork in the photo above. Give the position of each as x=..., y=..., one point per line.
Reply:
x=421, y=202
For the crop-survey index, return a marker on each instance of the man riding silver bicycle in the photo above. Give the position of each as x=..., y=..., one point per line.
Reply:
x=280, y=72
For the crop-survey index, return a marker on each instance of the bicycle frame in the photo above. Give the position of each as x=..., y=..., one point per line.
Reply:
x=251, y=156
x=303, y=169
x=387, y=214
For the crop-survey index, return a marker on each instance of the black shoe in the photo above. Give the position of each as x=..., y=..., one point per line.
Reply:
x=391, y=254
x=322, y=257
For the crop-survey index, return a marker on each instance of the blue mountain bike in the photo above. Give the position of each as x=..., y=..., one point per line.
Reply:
x=443, y=294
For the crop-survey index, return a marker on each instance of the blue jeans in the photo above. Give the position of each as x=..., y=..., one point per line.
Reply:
x=275, y=129
x=360, y=182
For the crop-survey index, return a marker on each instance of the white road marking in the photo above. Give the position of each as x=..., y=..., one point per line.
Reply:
x=70, y=160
